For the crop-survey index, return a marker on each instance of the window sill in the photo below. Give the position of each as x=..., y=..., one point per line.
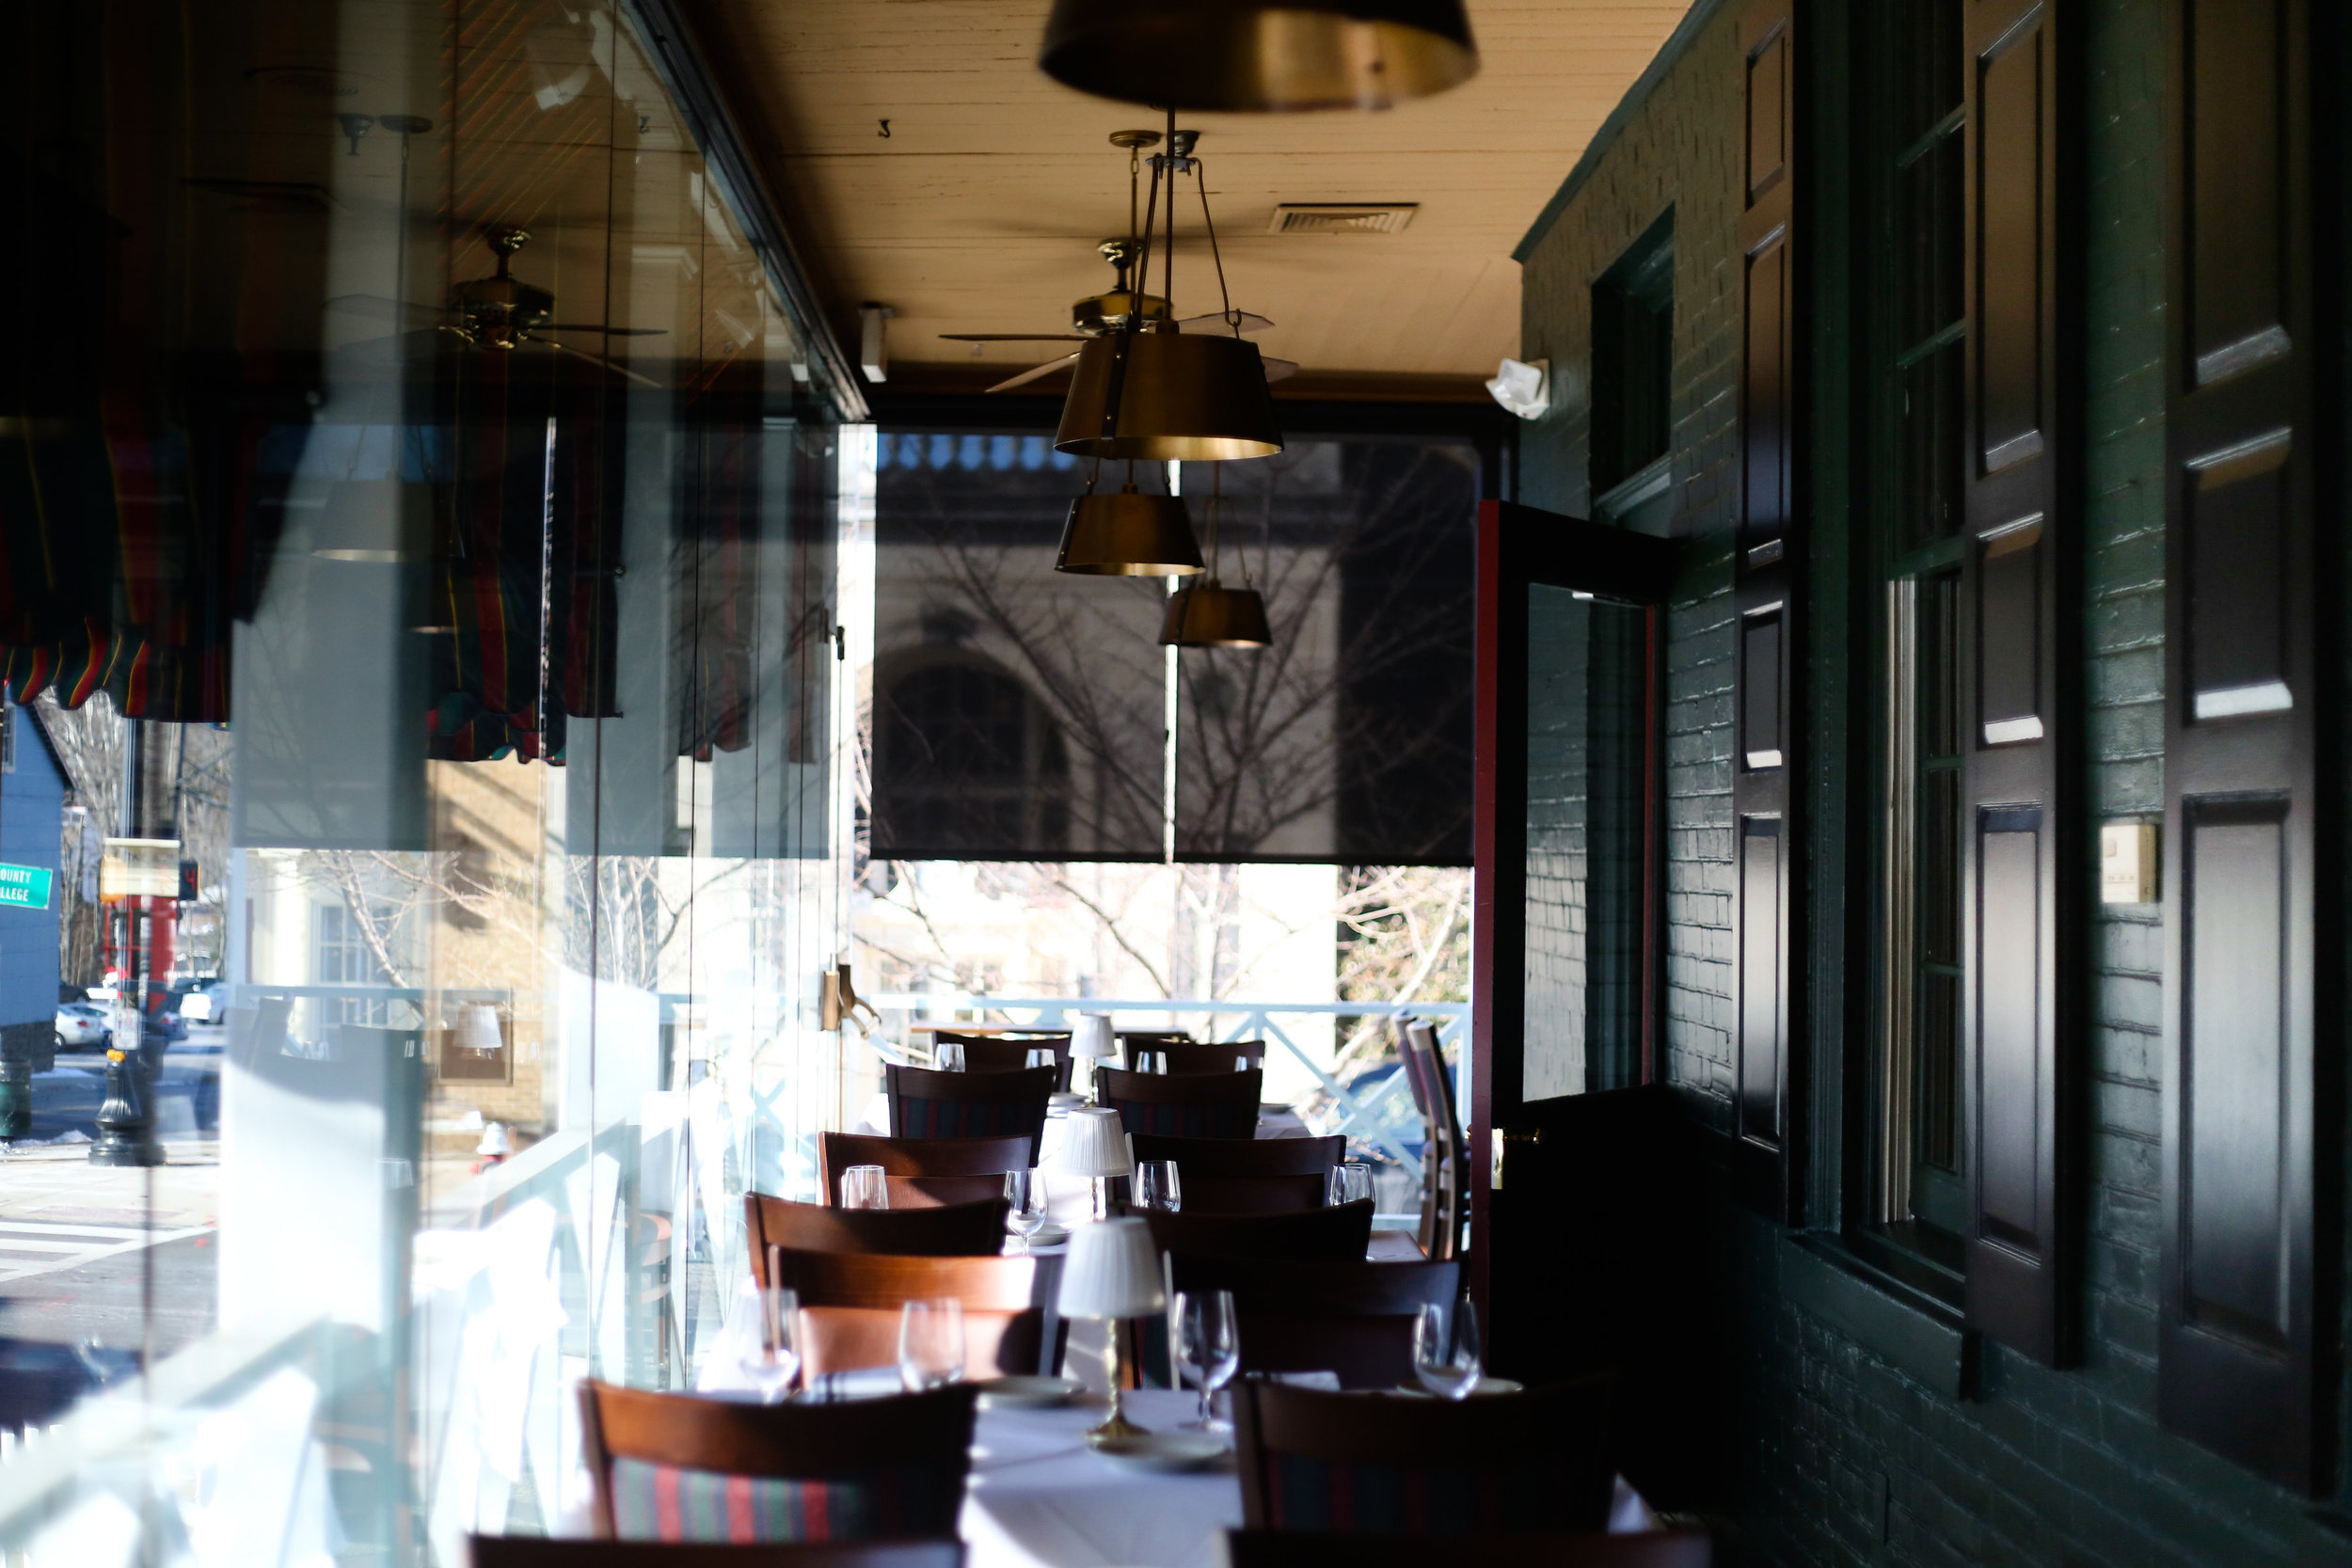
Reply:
x=1923, y=1337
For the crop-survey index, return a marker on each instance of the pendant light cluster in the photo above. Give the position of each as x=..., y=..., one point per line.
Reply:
x=1149, y=392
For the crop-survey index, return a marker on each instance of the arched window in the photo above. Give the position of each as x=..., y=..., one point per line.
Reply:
x=968, y=763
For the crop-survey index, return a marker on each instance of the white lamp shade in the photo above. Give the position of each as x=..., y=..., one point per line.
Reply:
x=1095, y=1144
x=1113, y=1270
x=478, y=1027
x=1093, y=1038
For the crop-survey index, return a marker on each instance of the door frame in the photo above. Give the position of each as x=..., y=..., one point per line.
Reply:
x=1519, y=548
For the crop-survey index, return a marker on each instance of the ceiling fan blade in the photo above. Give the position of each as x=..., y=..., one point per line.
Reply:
x=607, y=331
x=1032, y=374
x=1014, y=337
x=1277, y=370
x=377, y=308
x=1247, y=321
x=598, y=359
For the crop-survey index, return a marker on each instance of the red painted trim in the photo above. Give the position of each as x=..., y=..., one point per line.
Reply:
x=1485, y=782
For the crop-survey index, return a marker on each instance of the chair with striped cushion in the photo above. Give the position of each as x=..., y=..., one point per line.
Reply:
x=928, y=1104
x=1247, y=1176
x=675, y=1467
x=1188, y=1105
x=1265, y=1548
x=945, y=1230
x=539, y=1551
x=1366, y=1464
x=923, y=1173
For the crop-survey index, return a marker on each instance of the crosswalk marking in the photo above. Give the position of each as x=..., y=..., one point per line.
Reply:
x=59, y=1248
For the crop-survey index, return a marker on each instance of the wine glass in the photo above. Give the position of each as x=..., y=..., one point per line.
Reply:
x=1156, y=1187
x=930, y=1343
x=1446, y=1354
x=947, y=1056
x=771, y=1357
x=864, y=1187
x=1024, y=1204
x=1038, y=1055
x=1208, y=1346
x=1351, y=1181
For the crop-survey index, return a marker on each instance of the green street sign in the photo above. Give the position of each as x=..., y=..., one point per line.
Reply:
x=24, y=887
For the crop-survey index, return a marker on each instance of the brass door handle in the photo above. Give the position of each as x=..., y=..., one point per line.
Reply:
x=1501, y=1140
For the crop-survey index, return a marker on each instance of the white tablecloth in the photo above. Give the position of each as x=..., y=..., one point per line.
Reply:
x=1038, y=1500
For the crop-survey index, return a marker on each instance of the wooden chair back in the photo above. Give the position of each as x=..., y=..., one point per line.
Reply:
x=539, y=1551
x=893, y=1469
x=849, y=1309
x=1247, y=1176
x=1411, y=1062
x=1539, y=1461
x=928, y=1104
x=1333, y=1235
x=1266, y=1548
x=1183, y=1056
x=924, y=1173
x=947, y=1230
x=1355, y=1318
x=1008, y=1053
x=1446, y=1159
x=1189, y=1106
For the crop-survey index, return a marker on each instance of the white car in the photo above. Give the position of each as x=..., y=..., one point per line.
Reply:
x=81, y=1024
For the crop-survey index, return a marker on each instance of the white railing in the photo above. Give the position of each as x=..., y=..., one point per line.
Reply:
x=1375, y=1117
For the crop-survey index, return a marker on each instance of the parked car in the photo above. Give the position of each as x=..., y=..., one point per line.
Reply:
x=195, y=1000
x=82, y=1025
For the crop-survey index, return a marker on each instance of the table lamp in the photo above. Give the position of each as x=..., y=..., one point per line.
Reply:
x=1092, y=1039
x=1113, y=1272
x=1095, y=1147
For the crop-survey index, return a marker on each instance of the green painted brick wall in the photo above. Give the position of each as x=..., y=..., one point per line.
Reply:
x=1857, y=1447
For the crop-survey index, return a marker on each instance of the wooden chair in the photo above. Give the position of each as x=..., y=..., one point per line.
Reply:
x=849, y=1309
x=1410, y=1062
x=1445, y=1160
x=1354, y=1318
x=1183, y=1056
x=1192, y=1105
x=1247, y=1176
x=675, y=1467
x=947, y=1230
x=928, y=1104
x=1265, y=1548
x=924, y=1173
x=1358, y=1463
x=1334, y=1235
x=538, y=1551
x=1008, y=1053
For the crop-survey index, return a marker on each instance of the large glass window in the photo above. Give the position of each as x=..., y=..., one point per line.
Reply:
x=422, y=613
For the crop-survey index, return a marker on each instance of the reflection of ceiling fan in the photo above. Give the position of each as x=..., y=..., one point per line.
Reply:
x=1099, y=314
x=499, y=312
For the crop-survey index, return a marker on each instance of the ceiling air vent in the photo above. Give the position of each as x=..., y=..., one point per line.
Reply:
x=1343, y=217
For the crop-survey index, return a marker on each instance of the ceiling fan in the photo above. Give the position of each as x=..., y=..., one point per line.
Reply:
x=501, y=311
x=1099, y=314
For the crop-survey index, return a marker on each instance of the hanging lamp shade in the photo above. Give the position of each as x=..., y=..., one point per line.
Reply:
x=1169, y=397
x=1208, y=614
x=1256, y=57
x=1128, y=534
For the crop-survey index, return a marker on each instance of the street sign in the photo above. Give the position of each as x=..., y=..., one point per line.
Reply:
x=24, y=887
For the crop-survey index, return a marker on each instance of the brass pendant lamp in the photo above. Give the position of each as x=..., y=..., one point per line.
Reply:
x=1260, y=56
x=1163, y=395
x=1208, y=614
x=1128, y=534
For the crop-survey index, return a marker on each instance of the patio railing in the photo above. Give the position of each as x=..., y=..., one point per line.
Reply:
x=1382, y=1116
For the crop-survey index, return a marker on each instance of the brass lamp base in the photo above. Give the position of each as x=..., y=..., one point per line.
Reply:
x=1114, y=1429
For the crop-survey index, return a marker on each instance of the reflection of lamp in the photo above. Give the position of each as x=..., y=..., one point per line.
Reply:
x=478, y=1029
x=1095, y=1147
x=1260, y=56
x=1113, y=1272
x=1093, y=1040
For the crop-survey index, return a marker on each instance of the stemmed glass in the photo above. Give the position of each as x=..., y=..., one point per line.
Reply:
x=772, y=1360
x=1038, y=1055
x=1156, y=1187
x=1446, y=1356
x=947, y=1056
x=864, y=1187
x=1024, y=1204
x=1208, y=1346
x=1350, y=1182
x=930, y=1343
